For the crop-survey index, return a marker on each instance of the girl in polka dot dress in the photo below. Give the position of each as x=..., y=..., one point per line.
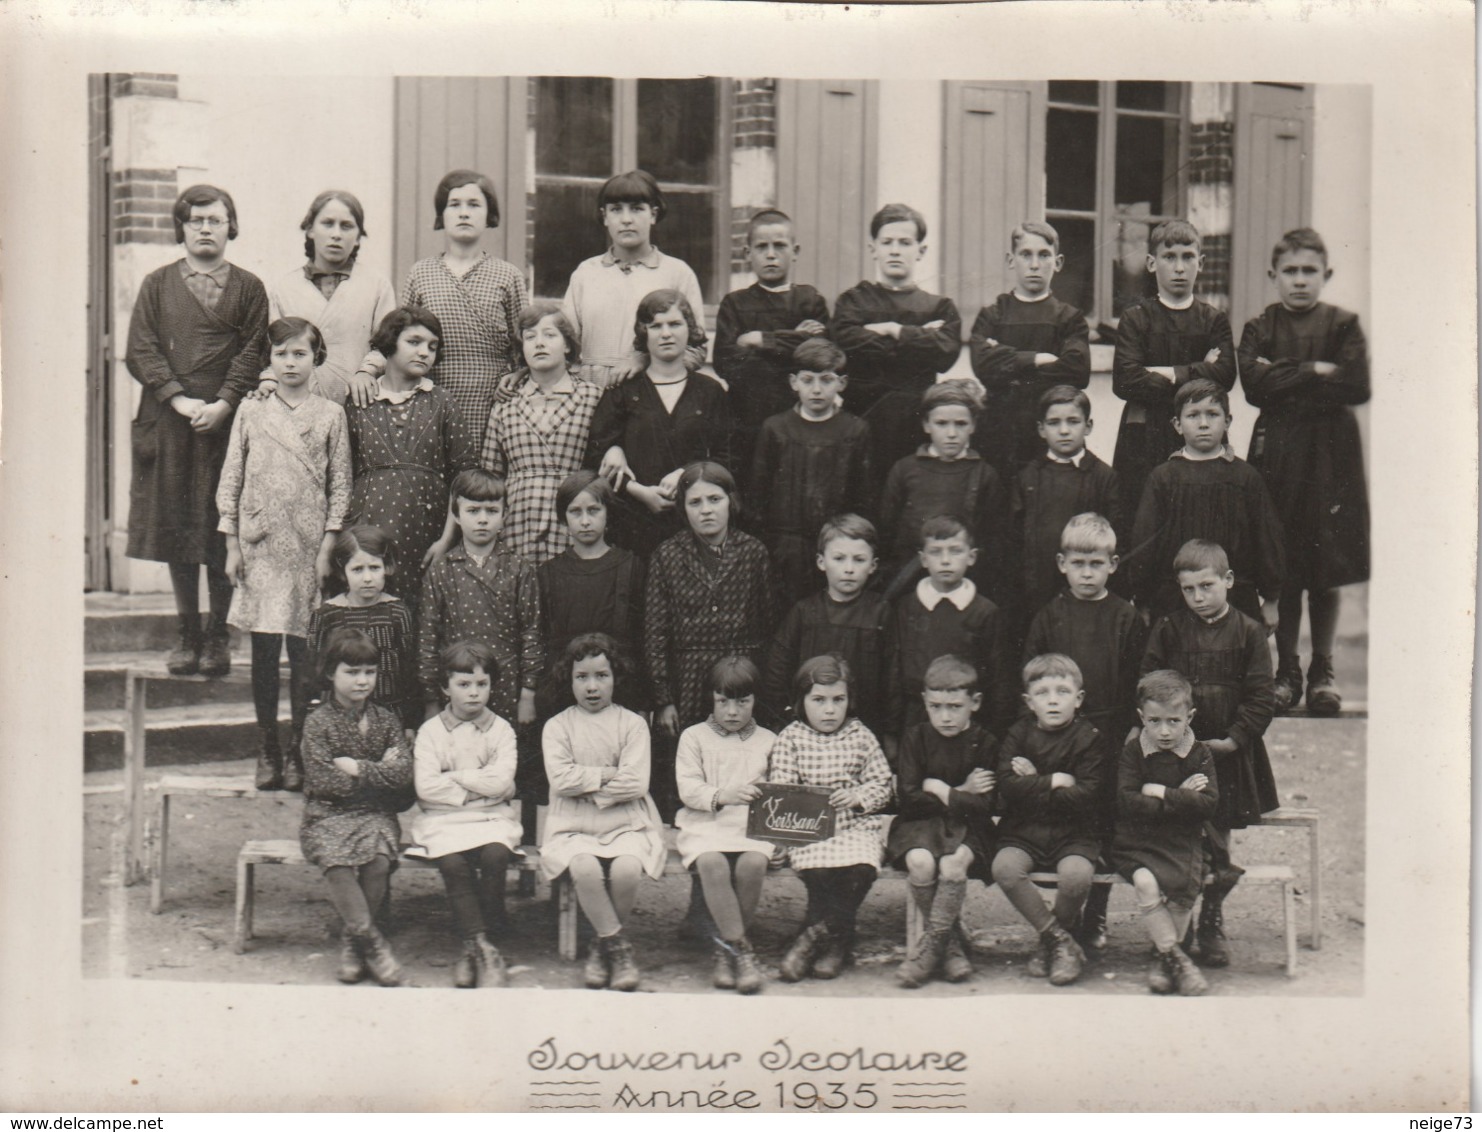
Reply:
x=407, y=446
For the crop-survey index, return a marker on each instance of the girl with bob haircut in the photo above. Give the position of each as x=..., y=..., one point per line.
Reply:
x=605, y=290
x=602, y=827
x=477, y=296
x=645, y=431
x=537, y=435
x=346, y=301
x=828, y=746
x=357, y=778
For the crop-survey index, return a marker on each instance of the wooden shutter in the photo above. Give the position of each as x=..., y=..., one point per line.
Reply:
x=994, y=146
x=452, y=123
x=827, y=136
x=1273, y=186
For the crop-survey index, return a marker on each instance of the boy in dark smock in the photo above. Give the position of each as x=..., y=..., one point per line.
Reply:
x=1224, y=655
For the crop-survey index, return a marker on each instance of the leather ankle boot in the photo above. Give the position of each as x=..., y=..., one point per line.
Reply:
x=749, y=977
x=269, y=774
x=216, y=649
x=293, y=765
x=185, y=658
x=798, y=962
x=724, y=976
x=625, y=974
x=488, y=963
x=380, y=958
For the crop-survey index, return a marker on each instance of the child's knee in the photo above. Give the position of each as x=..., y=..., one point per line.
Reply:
x=921, y=866
x=1010, y=867
x=626, y=870
x=377, y=868
x=955, y=865
x=712, y=867
x=584, y=866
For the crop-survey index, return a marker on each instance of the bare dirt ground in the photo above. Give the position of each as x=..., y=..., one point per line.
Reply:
x=1318, y=763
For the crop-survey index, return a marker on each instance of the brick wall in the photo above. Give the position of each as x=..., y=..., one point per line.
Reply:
x=753, y=126
x=142, y=199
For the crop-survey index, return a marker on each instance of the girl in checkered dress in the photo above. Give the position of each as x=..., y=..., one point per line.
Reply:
x=537, y=435
x=477, y=297
x=828, y=746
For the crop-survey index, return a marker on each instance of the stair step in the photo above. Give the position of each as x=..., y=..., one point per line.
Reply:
x=192, y=733
x=103, y=681
x=127, y=622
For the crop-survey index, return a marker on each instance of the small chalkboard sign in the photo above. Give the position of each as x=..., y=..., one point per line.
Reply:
x=791, y=815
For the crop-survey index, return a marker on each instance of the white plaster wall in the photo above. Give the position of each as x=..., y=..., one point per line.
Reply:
x=1342, y=153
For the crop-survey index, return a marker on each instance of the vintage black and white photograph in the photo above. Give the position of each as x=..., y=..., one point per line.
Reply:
x=689, y=540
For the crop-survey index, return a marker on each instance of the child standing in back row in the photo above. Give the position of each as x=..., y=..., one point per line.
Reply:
x=897, y=336
x=1304, y=363
x=1022, y=345
x=811, y=461
x=1163, y=342
x=758, y=328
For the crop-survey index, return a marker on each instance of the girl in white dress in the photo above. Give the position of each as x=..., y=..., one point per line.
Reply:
x=603, y=827
x=718, y=766
x=466, y=820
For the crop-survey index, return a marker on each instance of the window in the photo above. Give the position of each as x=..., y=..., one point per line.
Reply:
x=1114, y=161
x=587, y=129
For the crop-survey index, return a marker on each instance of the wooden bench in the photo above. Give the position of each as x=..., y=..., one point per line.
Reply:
x=1254, y=874
x=288, y=852
x=203, y=785
x=1291, y=817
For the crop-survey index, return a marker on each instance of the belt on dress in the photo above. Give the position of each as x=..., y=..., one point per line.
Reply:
x=402, y=468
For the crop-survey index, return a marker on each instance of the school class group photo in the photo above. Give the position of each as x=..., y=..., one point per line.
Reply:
x=562, y=587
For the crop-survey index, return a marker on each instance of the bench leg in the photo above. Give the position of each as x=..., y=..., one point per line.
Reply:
x=1314, y=845
x=161, y=849
x=135, y=706
x=565, y=893
x=242, y=927
x=1289, y=925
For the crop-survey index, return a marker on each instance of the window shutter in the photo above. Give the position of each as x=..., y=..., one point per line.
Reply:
x=451, y=123
x=827, y=132
x=994, y=140
x=1273, y=185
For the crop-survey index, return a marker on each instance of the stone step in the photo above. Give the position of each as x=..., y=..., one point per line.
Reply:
x=195, y=733
x=131, y=623
x=103, y=682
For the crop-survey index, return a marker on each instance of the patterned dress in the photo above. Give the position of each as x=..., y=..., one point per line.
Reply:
x=389, y=624
x=712, y=759
x=613, y=820
x=349, y=819
x=285, y=482
x=480, y=315
x=535, y=441
x=406, y=450
x=700, y=609
x=176, y=345
x=851, y=756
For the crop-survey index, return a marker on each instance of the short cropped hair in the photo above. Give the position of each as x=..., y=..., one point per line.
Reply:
x=456, y=180
x=349, y=200
x=1201, y=554
x=1299, y=240
x=1034, y=228
x=530, y=318
x=466, y=656
x=286, y=329
x=583, y=647
x=582, y=480
x=950, y=674
x=656, y=303
x=1201, y=389
x=396, y=322
x=1064, y=395
x=1086, y=533
x=848, y=525
x=831, y=668
x=346, y=646
x=953, y=391
x=708, y=471
x=735, y=677
x=1052, y=664
x=1169, y=233
x=894, y=214
x=636, y=186
x=818, y=355
x=203, y=194
x=946, y=526
x=1165, y=686
x=766, y=216
x=477, y=486
x=348, y=543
